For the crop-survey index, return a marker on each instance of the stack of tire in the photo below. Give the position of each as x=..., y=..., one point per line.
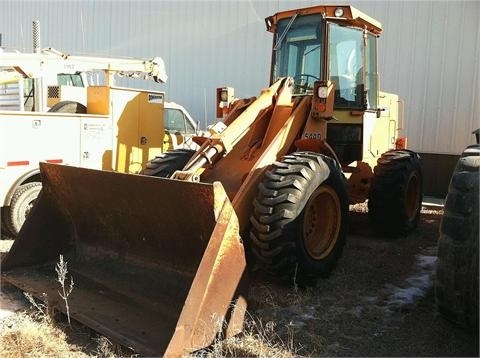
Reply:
x=456, y=285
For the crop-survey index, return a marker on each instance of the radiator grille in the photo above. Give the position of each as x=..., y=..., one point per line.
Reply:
x=53, y=92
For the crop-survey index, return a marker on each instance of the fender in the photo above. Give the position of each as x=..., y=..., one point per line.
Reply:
x=27, y=177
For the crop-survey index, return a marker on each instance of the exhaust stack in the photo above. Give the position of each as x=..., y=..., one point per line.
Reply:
x=36, y=36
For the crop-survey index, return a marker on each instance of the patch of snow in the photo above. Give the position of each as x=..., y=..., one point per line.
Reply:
x=405, y=296
x=427, y=262
x=411, y=290
x=393, y=299
x=416, y=286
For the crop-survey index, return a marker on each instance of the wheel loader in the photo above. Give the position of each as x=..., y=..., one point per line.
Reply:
x=270, y=188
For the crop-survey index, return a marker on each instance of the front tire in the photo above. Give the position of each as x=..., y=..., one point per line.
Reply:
x=456, y=284
x=20, y=206
x=299, y=224
x=395, y=197
x=167, y=163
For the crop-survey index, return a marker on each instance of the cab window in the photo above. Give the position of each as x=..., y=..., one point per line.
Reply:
x=298, y=51
x=346, y=66
x=65, y=79
x=371, y=75
x=175, y=121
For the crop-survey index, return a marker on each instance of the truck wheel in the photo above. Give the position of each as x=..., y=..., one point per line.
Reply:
x=456, y=283
x=167, y=163
x=4, y=222
x=68, y=107
x=299, y=223
x=395, y=197
x=20, y=206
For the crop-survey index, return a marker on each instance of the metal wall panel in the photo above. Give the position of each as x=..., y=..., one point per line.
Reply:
x=428, y=54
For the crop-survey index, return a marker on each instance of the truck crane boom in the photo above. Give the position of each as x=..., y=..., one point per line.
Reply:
x=33, y=65
x=44, y=66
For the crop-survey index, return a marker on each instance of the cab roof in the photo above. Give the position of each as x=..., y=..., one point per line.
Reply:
x=350, y=16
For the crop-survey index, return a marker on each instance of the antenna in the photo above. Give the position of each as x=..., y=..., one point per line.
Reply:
x=205, y=106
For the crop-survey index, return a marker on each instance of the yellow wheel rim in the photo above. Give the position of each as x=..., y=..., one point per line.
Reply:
x=413, y=193
x=322, y=222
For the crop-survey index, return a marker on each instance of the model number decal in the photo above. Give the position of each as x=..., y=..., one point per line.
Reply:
x=313, y=135
x=155, y=98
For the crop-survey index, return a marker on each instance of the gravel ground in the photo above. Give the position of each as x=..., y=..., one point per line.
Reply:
x=378, y=302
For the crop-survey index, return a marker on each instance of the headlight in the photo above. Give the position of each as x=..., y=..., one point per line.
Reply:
x=224, y=96
x=322, y=92
x=338, y=12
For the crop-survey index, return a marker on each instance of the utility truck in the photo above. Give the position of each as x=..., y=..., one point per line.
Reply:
x=53, y=108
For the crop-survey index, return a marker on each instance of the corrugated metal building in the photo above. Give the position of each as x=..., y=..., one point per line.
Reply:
x=429, y=55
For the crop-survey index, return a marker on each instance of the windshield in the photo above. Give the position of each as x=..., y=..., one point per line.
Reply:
x=175, y=121
x=66, y=79
x=298, y=51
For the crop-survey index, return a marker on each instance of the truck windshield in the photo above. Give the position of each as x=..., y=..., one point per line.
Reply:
x=175, y=121
x=66, y=79
x=298, y=51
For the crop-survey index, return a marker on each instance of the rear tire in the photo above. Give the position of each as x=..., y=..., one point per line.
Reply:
x=68, y=107
x=299, y=224
x=456, y=284
x=20, y=206
x=167, y=163
x=395, y=197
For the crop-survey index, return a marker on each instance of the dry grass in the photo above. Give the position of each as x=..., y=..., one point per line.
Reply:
x=267, y=338
x=249, y=345
x=257, y=340
x=30, y=335
x=33, y=333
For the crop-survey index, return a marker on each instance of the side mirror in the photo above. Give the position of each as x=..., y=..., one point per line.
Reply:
x=197, y=128
x=477, y=135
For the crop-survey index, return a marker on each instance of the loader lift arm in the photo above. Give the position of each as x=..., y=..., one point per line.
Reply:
x=219, y=145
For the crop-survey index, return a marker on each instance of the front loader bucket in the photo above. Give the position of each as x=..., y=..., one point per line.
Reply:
x=157, y=264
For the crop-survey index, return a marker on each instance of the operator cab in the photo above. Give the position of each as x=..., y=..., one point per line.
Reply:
x=328, y=43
